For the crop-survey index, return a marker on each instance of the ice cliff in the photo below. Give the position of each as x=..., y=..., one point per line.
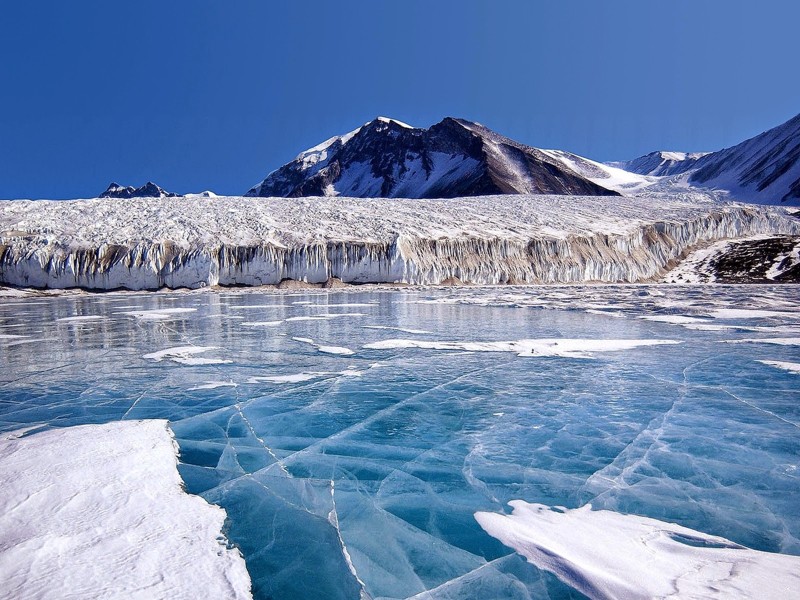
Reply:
x=150, y=243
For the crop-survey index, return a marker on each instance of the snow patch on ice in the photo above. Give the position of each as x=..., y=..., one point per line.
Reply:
x=161, y=314
x=780, y=364
x=98, y=511
x=185, y=355
x=776, y=341
x=750, y=313
x=605, y=554
x=301, y=377
x=403, y=329
x=675, y=319
x=212, y=385
x=567, y=348
x=325, y=349
x=81, y=319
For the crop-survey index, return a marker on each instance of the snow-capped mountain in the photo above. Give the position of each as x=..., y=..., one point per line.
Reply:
x=660, y=163
x=148, y=190
x=389, y=159
x=764, y=169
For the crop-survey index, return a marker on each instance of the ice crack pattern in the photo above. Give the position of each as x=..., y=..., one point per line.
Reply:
x=351, y=453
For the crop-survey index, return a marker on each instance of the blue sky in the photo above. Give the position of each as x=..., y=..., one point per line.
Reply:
x=198, y=95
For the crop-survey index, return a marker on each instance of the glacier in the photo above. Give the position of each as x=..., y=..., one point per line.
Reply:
x=153, y=243
x=359, y=474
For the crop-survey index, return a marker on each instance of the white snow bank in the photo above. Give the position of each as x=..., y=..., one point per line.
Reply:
x=568, y=348
x=97, y=511
x=604, y=554
x=150, y=243
x=781, y=364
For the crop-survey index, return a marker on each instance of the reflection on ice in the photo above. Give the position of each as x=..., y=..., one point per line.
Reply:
x=382, y=456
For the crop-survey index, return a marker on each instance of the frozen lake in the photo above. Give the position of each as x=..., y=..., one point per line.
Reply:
x=352, y=436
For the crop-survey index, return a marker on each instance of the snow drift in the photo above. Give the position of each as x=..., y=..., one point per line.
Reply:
x=150, y=243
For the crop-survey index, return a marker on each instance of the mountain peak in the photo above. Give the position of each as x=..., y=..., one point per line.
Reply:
x=148, y=190
x=389, y=120
x=455, y=157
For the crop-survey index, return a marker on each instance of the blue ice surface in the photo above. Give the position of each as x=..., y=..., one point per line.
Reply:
x=387, y=454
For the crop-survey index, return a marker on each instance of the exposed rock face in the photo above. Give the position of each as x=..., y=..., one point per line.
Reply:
x=454, y=158
x=770, y=260
x=148, y=190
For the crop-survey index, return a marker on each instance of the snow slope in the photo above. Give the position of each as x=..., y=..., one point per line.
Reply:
x=147, y=243
x=98, y=511
x=609, y=555
x=608, y=176
x=764, y=169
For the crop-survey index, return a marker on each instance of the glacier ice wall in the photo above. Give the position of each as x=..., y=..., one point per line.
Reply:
x=156, y=243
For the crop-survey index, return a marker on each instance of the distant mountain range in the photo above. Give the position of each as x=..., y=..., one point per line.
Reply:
x=148, y=190
x=764, y=169
x=455, y=157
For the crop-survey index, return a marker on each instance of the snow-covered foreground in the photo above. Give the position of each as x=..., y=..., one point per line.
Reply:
x=351, y=436
x=607, y=555
x=150, y=243
x=97, y=511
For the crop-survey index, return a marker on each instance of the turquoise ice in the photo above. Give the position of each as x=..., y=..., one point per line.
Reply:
x=352, y=436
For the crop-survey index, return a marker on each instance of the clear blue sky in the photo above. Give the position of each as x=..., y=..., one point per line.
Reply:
x=196, y=94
